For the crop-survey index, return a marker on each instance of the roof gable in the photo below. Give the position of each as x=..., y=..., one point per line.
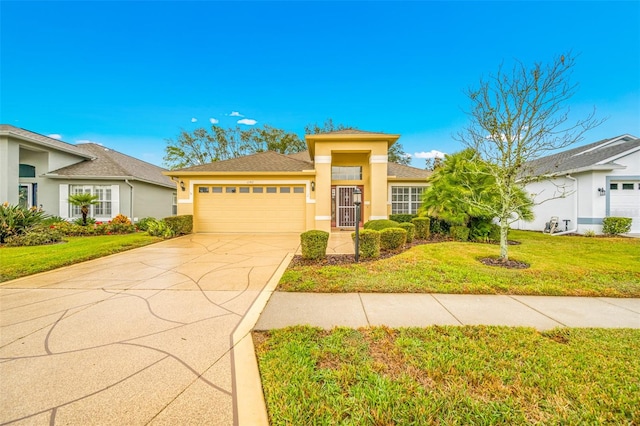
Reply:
x=109, y=163
x=597, y=155
x=41, y=140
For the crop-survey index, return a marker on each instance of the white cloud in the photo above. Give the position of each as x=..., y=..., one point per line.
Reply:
x=87, y=141
x=214, y=121
x=55, y=136
x=235, y=114
x=431, y=154
x=193, y=120
x=247, y=121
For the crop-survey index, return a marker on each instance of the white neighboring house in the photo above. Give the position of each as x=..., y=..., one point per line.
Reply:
x=599, y=180
x=36, y=170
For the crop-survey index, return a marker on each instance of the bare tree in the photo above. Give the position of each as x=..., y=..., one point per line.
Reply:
x=517, y=116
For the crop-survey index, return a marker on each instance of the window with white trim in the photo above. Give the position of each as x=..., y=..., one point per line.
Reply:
x=406, y=199
x=104, y=200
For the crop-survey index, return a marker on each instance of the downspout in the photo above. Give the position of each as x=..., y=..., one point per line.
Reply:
x=130, y=199
x=575, y=210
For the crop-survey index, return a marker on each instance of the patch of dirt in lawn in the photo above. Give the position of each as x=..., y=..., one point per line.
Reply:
x=509, y=264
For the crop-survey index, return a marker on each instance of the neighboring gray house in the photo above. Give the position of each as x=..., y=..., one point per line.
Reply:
x=36, y=170
x=599, y=180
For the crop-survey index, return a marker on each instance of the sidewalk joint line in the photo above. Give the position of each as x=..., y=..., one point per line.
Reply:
x=445, y=308
x=602, y=299
x=535, y=310
x=363, y=309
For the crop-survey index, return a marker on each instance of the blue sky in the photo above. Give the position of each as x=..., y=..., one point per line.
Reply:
x=130, y=75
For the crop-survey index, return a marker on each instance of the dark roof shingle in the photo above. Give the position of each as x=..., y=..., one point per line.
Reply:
x=110, y=163
x=268, y=161
x=584, y=157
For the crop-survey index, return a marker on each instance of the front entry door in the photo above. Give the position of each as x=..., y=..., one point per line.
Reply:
x=346, y=210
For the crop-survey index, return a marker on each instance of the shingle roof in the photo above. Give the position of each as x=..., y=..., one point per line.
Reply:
x=584, y=158
x=110, y=163
x=406, y=172
x=26, y=135
x=268, y=161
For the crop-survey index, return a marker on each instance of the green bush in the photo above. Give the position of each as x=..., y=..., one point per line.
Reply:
x=314, y=244
x=422, y=225
x=142, y=223
x=116, y=228
x=616, y=225
x=159, y=228
x=181, y=225
x=36, y=236
x=439, y=226
x=52, y=220
x=393, y=239
x=369, y=243
x=411, y=230
x=380, y=224
x=74, y=230
x=402, y=218
x=16, y=220
x=459, y=233
x=483, y=230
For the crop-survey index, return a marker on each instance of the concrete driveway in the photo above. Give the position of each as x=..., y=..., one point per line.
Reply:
x=141, y=337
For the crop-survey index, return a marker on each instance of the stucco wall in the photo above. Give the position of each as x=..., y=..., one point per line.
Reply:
x=151, y=200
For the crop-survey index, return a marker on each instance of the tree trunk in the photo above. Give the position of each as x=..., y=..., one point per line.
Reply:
x=84, y=211
x=504, y=242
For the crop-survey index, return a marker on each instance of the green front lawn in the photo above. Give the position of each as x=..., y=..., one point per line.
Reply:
x=18, y=262
x=564, y=265
x=450, y=375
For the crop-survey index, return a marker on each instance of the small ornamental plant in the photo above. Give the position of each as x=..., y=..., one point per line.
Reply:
x=314, y=244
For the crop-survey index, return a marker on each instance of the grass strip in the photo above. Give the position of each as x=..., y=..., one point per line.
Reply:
x=16, y=262
x=450, y=375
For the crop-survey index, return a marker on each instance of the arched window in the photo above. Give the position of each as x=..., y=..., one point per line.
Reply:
x=27, y=171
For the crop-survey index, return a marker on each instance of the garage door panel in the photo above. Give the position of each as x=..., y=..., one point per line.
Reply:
x=250, y=212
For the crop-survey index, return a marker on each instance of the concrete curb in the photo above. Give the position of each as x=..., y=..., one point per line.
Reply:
x=251, y=407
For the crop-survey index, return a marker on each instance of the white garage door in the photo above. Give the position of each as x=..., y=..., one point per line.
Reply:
x=625, y=201
x=255, y=208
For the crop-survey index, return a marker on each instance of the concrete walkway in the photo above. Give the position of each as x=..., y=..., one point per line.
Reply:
x=409, y=310
x=141, y=337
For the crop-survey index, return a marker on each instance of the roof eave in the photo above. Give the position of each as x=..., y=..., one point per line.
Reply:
x=242, y=173
x=25, y=138
x=93, y=177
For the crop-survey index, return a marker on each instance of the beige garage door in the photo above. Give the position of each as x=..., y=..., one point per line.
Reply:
x=255, y=208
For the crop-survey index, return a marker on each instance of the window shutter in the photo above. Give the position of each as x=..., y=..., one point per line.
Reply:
x=64, y=201
x=115, y=200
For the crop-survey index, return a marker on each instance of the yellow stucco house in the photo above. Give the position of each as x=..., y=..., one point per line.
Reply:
x=272, y=192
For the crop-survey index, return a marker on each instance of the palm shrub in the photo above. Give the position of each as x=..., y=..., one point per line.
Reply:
x=411, y=230
x=380, y=224
x=84, y=201
x=368, y=243
x=314, y=244
x=393, y=239
x=15, y=219
x=142, y=223
x=159, y=228
x=616, y=225
x=423, y=225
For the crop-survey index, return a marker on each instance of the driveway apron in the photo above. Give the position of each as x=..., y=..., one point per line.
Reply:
x=140, y=337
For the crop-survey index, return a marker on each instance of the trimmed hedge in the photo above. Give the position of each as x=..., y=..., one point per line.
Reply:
x=369, y=243
x=180, y=225
x=314, y=244
x=411, y=230
x=393, y=239
x=402, y=218
x=380, y=224
x=616, y=225
x=459, y=233
x=422, y=225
